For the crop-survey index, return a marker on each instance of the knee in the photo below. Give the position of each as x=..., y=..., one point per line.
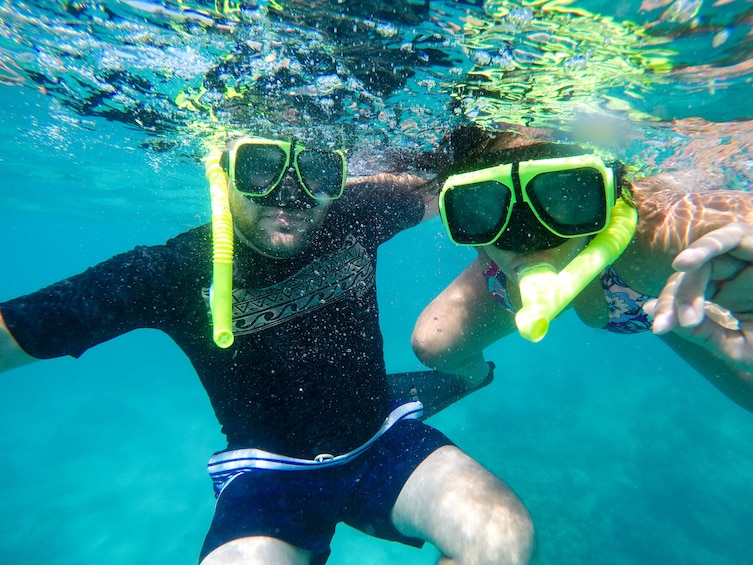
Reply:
x=511, y=541
x=429, y=344
x=423, y=350
x=507, y=537
x=258, y=549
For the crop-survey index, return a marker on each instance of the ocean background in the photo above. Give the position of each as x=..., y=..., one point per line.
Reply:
x=620, y=451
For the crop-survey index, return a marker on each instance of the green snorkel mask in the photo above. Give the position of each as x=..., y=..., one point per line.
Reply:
x=568, y=197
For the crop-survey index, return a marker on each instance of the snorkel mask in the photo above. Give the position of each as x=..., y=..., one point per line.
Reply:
x=256, y=167
x=569, y=197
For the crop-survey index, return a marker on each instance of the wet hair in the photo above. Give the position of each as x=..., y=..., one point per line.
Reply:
x=469, y=148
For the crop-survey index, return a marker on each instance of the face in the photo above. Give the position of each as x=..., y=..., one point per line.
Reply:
x=281, y=224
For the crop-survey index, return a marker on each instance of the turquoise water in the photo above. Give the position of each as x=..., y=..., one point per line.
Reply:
x=620, y=451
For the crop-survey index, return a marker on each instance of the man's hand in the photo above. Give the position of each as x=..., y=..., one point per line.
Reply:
x=11, y=354
x=709, y=301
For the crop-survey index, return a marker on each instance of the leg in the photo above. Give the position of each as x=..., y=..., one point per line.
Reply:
x=469, y=514
x=454, y=329
x=257, y=551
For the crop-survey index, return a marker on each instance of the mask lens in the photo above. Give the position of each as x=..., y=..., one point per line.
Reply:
x=571, y=202
x=258, y=168
x=477, y=212
x=322, y=173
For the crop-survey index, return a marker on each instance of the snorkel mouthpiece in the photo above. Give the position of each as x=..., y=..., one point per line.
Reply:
x=221, y=291
x=545, y=293
x=541, y=297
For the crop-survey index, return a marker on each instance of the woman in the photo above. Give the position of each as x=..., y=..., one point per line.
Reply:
x=525, y=203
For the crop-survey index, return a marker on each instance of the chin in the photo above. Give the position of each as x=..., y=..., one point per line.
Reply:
x=281, y=246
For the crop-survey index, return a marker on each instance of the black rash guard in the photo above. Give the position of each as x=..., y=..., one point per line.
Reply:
x=306, y=373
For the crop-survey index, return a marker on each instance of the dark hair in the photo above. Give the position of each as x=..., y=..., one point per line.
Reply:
x=469, y=148
x=473, y=148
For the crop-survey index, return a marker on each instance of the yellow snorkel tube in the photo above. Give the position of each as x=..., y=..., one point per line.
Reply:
x=221, y=291
x=545, y=293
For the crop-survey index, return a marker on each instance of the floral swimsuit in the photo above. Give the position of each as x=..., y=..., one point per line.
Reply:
x=626, y=314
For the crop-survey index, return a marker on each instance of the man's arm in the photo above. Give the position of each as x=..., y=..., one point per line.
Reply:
x=11, y=354
x=427, y=189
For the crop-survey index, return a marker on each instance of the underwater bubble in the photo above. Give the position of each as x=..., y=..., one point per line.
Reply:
x=386, y=30
x=720, y=38
x=481, y=58
x=520, y=15
x=503, y=60
x=682, y=11
x=575, y=63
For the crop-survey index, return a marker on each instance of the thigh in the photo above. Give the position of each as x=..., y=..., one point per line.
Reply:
x=257, y=551
x=451, y=501
x=378, y=478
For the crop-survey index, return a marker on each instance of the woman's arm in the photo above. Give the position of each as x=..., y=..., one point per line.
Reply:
x=670, y=219
x=733, y=382
x=711, y=234
x=454, y=329
x=716, y=271
x=719, y=268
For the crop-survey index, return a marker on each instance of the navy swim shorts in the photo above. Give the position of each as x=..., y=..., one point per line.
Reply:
x=303, y=507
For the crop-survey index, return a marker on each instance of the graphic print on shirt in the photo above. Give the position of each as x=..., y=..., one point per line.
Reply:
x=349, y=270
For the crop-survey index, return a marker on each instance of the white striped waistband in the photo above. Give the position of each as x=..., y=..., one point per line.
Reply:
x=224, y=465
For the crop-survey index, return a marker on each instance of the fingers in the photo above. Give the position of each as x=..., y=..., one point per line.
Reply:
x=735, y=239
x=718, y=332
x=680, y=302
x=716, y=267
x=662, y=323
x=737, y=294
x=689, y=295
x=735, y=345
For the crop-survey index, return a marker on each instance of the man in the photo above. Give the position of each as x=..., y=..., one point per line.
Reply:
x=302, y=393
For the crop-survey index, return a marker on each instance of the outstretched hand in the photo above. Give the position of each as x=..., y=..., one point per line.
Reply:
x=709, y=300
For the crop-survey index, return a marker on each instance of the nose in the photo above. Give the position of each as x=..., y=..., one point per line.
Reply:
x=290, y=191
